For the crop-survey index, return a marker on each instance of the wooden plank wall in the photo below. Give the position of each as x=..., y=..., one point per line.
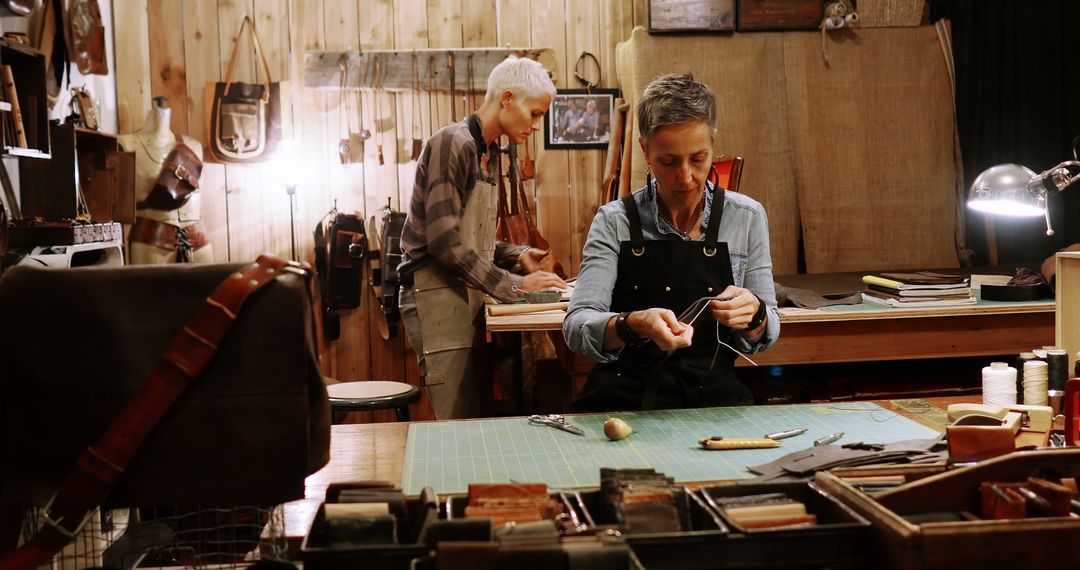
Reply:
x=178, y=47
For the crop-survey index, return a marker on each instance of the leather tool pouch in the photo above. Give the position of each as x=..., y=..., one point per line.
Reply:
x=246, y=431
x=339, y=250
x=179, y=177
x=245, y=118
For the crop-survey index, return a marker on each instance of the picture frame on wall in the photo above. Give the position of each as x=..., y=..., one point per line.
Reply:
x=691, y=16
x=580, y=119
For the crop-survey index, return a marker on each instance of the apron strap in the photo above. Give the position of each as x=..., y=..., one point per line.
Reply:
x=637, y=238
x=716, y=214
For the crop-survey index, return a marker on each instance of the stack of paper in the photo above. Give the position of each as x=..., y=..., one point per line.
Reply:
x=917, y=289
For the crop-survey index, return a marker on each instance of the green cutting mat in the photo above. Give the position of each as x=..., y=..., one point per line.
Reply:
x=450, y=455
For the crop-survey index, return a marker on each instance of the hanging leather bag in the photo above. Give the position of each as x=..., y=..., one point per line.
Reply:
x=87, y=37
x=516, y=223
x=340, y=242
x=245, y=118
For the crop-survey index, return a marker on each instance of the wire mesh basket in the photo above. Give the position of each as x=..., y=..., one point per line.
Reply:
x=175, y=537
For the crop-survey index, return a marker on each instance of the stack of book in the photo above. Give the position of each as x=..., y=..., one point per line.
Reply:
x=917, y=289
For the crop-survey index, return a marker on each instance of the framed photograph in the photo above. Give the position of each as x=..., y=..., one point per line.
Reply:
x=580, y=118
x=691, y=15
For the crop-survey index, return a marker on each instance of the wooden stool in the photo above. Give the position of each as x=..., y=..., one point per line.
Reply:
x=370, y=395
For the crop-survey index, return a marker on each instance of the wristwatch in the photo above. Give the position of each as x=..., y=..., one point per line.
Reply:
x=622, y=329
x=759, y=316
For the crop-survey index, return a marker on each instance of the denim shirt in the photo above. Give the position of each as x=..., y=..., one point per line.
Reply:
x=744, y=227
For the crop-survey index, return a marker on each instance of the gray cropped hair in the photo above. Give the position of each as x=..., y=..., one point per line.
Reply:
x=672, y=99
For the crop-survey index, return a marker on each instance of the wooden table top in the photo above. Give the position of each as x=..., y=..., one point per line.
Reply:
x=377, y=452
x=552, y=320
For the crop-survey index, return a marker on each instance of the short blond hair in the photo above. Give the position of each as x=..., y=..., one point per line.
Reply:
x=523, y=76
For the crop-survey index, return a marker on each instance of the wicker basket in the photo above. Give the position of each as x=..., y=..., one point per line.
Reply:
x=892, y=13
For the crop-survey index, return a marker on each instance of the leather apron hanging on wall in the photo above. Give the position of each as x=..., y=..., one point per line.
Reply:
x=451, y=318
x=670, y=274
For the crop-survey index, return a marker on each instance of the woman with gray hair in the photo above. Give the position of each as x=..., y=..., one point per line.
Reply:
x=678, y=246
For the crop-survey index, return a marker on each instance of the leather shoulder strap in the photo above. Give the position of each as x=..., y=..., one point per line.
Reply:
x=183, y=361
x=258, y=52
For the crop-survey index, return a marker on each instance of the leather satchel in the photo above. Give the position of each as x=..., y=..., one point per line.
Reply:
x=247, y=430
x=245, y=118
x=179, y=177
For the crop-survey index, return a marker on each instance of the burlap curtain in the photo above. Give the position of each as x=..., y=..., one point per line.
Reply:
x=858, y=153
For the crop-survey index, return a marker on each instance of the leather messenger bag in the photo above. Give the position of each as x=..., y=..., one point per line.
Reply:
x=78, y=345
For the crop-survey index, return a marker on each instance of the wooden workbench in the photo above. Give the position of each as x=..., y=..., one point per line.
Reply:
x=377, y=452
x=842, y=334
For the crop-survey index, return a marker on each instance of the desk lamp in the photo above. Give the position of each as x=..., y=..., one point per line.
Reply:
x=288, y=168
x=1015, y=190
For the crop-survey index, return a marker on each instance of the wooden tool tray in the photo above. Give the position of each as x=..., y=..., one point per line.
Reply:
x=1025, y=543
x=713, y=541
x=318, y=555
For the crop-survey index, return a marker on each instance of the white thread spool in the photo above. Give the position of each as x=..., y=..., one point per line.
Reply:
x=851, y=18
x=999, y=384
x=1036, y=378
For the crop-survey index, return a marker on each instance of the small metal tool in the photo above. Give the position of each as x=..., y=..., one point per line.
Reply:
x=828, y=439
x=556, y=421
x=786, y=433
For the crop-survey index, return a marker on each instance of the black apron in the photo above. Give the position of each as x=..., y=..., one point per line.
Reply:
x=670, y=274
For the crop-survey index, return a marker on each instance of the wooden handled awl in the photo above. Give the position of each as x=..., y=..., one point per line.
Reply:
x=737, y=443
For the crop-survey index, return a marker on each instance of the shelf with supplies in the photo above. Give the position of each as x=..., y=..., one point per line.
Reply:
x=24, y=112
x=87, y=175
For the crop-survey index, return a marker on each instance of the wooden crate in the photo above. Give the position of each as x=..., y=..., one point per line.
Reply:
x=975, y=544
x=1067, y=317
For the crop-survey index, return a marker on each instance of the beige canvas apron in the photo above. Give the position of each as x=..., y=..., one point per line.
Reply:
x=452, y=319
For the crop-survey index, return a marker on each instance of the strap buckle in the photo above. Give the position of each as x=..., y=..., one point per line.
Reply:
x=181, y=172
x=56, y=523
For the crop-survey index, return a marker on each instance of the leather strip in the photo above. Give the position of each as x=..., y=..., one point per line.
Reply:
x=167, y=236
x=187, y=355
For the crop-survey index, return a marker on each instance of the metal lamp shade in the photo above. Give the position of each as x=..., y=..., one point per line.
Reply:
x=1004, y=190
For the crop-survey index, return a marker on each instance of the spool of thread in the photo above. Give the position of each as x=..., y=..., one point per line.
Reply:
x=851, y=18
x=1040, y=353
x=1057, y=361
x=999, y=384
x=1022, y=358
x=1035, y=381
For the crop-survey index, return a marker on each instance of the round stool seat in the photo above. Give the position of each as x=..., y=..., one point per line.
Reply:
x=371, y=395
